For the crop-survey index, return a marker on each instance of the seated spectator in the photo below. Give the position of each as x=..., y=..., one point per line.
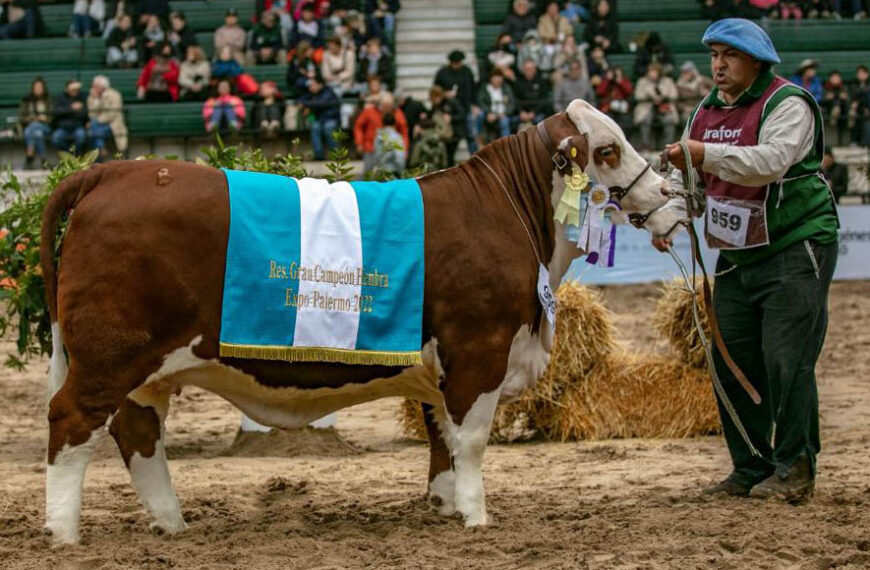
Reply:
x=158, y=82
x=152, y=36
x=692, y=87
x=718, y=9
x=553, y=27
x=602, y=29
x=498, y=107
x=653, y=50
x=225, y=67
x=319, y=9
x=70, y=114
x=389, y=147
x=375, y=60
x=835, y=103
x=266, y=39
x=20, y=19
x=362, y=27
x=372, y=90
x=231, y=35
x=806, y=78
x=598, y=66
x=194, y=75
x=122, y=44
x=656, y=96
x=787, y=9
x=576, y=12
x=458, y=83
x=384, y=13
x=567, y=54
x=859, y=106
x=449, y=120
x=268, y=109
x=533, y=95
x=820, y=8
x=367, y=124
x=88, y=17
x=836, y=174
x=502, y=57
x=301, y=69
x=180, y=35
x=224, y=111
x=534, y=49
x=34, y=115
x=519, y=21
x=106, y=112
x=338, y=66
x=574, y=86
x=322, y=110
x=309, y=28
x=428, y=152
x=146, y=8
x=858, y=10
x=614, y=96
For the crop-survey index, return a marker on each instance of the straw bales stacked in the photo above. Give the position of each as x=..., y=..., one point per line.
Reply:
x=593, y=390
x=673, y=320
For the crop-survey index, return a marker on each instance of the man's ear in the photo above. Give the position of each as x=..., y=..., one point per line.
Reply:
x=577, y=150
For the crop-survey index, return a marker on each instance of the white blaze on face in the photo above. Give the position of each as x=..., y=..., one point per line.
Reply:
x=646, y=194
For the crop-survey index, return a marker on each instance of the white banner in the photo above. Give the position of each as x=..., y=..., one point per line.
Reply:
x=636, y=261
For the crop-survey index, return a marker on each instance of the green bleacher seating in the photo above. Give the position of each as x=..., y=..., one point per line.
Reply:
x=52, y=53
x=162, y=119
x=647, y=10
x=201, y=15
x=491, y=11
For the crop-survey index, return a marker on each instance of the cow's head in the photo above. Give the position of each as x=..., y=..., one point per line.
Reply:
x=613, y=162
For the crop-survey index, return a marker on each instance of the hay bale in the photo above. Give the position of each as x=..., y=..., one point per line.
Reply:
x=673, y=320
x=637, y=395
x=410, y=416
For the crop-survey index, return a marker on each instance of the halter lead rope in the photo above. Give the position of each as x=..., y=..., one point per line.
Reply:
x=690, y=187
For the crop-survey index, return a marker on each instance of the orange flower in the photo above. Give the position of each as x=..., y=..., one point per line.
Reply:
x=3, y=233
x=8, y=283
x=20, y=247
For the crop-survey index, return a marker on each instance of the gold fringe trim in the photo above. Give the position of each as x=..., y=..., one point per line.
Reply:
x=318, y=354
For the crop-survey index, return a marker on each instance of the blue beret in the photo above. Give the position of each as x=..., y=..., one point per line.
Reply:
x=744, y=35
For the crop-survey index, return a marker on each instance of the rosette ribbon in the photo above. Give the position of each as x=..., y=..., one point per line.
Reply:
x=598, y=233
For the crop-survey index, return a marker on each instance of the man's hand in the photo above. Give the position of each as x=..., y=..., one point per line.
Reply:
x=661, y=243
x=675, y=154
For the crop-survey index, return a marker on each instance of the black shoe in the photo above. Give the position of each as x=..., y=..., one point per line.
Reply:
x=795, y=488
x=731, y=486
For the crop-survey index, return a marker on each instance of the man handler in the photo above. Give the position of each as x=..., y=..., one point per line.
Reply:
x=757, y=143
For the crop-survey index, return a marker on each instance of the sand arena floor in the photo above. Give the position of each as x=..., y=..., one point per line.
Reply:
x=356, y=501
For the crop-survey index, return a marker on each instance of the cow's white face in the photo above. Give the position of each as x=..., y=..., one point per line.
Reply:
x=613, y=162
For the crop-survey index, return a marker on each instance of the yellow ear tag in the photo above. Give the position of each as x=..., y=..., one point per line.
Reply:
x=573, y=152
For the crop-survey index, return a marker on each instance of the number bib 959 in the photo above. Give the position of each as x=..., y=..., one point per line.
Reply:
x=735, y=224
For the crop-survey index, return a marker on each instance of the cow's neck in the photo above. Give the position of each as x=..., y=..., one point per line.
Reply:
x=524, y=166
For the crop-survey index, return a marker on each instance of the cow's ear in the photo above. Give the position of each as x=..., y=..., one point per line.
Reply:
x=577, y=150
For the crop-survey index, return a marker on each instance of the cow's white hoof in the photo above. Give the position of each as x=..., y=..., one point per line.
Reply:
x=442, y=493
x=58, y=538
x=476, y=519
x=163, y=528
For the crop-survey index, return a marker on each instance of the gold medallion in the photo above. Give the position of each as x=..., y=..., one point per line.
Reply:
x=599, y=196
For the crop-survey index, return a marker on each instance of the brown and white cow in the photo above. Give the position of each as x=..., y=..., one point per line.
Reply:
x=136, y=302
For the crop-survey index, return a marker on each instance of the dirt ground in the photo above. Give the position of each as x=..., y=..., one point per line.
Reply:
x=356, y=501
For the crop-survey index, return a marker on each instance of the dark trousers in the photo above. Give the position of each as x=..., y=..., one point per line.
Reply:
x=773, y=316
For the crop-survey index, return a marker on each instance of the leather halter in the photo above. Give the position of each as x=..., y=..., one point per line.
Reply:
x=562, y=162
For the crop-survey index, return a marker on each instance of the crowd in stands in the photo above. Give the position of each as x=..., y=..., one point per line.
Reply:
x=340, y=74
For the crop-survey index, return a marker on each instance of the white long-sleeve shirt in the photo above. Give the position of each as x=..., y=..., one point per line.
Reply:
x=786, y=137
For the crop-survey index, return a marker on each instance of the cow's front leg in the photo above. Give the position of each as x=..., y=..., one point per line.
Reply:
x=139, y=432
x=442, y=479
x=471, y=393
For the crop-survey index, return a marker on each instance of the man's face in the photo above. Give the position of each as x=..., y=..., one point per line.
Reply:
x=268, y=19
x=73, y=89
x=809, y=72
x=231, y=20
x=125, y=23
x=521, y=8
x=862, y=75
x=529, y=69
x=177, y=24
x=496, y=80
x=456, y=64
x=733, y=70
x=96, y=88
x=574, y=70
x=835, y=80
x=308, y=15
x=315, y=86
x=652, y=73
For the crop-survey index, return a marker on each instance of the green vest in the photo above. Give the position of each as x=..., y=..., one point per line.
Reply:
x=801, y=205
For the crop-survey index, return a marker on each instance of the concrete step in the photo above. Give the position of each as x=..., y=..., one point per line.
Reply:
x=408, y=14
x=416, y=71
x=413, y=83
x=414, y=36
x=438, y=24
x=460, y=5
x=419, y=57
x=434, y=47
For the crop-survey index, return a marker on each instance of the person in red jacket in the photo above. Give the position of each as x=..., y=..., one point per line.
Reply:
x=224, y=111
x=367, y=124
x=158, y=82
x=614, y=93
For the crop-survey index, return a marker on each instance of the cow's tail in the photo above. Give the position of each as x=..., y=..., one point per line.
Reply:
x=62, y=200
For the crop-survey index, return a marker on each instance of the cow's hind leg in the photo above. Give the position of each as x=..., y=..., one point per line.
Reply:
x=442, y=479
x=139, y=431
x=75, y=428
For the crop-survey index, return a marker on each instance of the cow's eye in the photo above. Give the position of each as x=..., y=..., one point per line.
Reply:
x=606, y=152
